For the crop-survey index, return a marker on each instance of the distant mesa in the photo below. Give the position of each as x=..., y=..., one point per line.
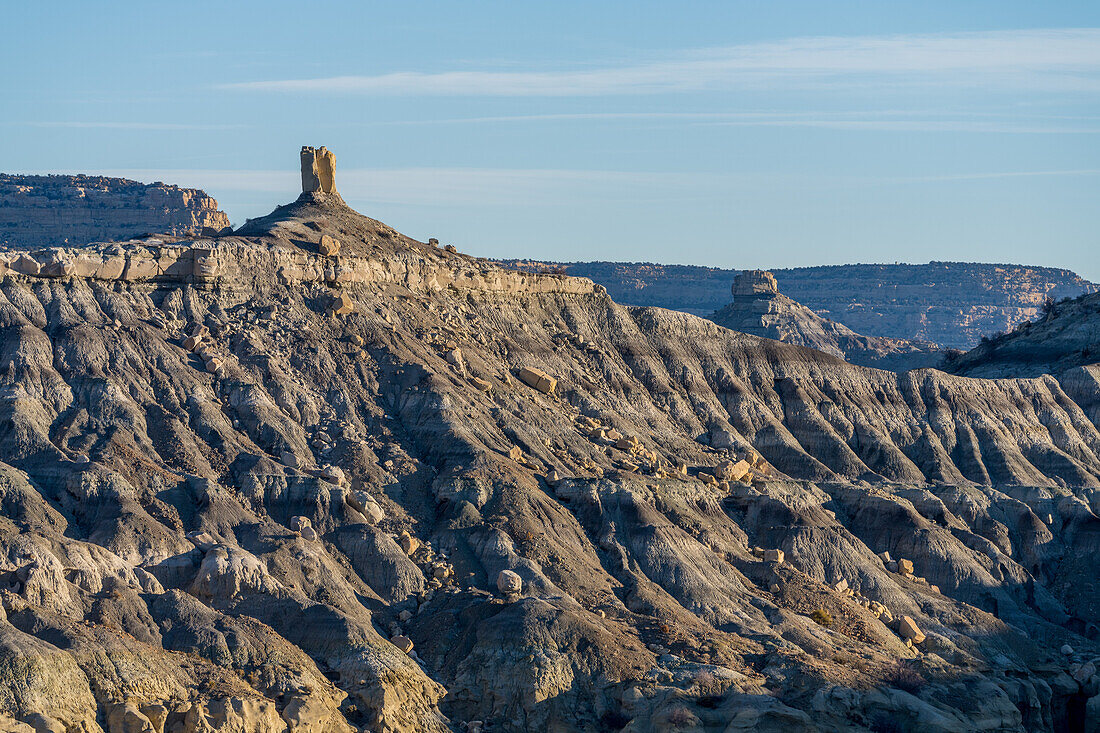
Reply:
x=948, y=303
x=40, y=211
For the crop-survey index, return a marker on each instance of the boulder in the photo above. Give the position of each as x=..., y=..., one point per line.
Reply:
x=408, y=543
x=732, y=471
x=482, y=385
x=538, y=379
x=365, y=504
x=341, y=305
x=628, y=444
x=909, y=630
x=773, y=556
x=297, y=524
x=905, y=567
x=333, y=474
x=509, y=583
x=328, y=245
x=841, y=586
x=403, y=643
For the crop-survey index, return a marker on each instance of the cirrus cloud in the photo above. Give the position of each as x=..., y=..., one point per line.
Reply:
x=1067, y=59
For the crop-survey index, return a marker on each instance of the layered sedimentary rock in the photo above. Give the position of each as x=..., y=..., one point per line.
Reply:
x=952, y=304
x=229, y=507
x=760, y=309
x=1066, y=336
x=318, y=170
x=56, y=210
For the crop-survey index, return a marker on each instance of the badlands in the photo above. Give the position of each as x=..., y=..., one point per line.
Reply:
x=311, y=475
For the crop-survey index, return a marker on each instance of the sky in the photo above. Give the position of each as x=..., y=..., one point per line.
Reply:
x=732, y=134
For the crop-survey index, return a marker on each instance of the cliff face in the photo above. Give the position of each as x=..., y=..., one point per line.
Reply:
x=760, y=309
x=301, y=478
x=952, y=304
x=949, y=303
x=1067, y=336
x=53, y=210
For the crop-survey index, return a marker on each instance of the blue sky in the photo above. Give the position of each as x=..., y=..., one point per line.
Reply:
x=735, y=134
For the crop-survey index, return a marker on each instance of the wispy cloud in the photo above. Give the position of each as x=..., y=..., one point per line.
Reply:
x=129, y=125
x=1029, y=57
x=900, y=120
x=994, y=175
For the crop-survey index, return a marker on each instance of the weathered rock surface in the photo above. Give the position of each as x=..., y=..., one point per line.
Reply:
x=42, y=211
x=1065, y=337
x=952, y=304
x=176, y=553
x=760, y=309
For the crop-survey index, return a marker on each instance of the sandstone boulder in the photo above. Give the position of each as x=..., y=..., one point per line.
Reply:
x=403, y=643
x=342, y=305
x=538, y=379
x=909, y=630
x=409, y=544
x=482, y=385
x=731, y=471
x=509, y=583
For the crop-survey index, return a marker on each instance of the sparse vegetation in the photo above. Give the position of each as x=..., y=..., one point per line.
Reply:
x=681, y=717
x=904, y=677
x=822, y=617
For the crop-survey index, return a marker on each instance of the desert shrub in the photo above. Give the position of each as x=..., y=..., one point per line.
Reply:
x=681, y=717
x=704, y=678
x=822, y=617
x=904, y=677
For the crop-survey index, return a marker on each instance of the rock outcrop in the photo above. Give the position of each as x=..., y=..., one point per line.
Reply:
x=952, y=304
x=1065, y=336
x=42, y=211
x=318, y=170
x=759, y=308
x=184, y=549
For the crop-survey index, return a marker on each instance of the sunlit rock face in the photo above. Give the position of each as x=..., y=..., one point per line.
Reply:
x=40, y=211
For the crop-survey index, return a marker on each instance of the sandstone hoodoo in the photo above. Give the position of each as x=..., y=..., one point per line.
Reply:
x=251, y=485
x=760, y=309
x=318, y=170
